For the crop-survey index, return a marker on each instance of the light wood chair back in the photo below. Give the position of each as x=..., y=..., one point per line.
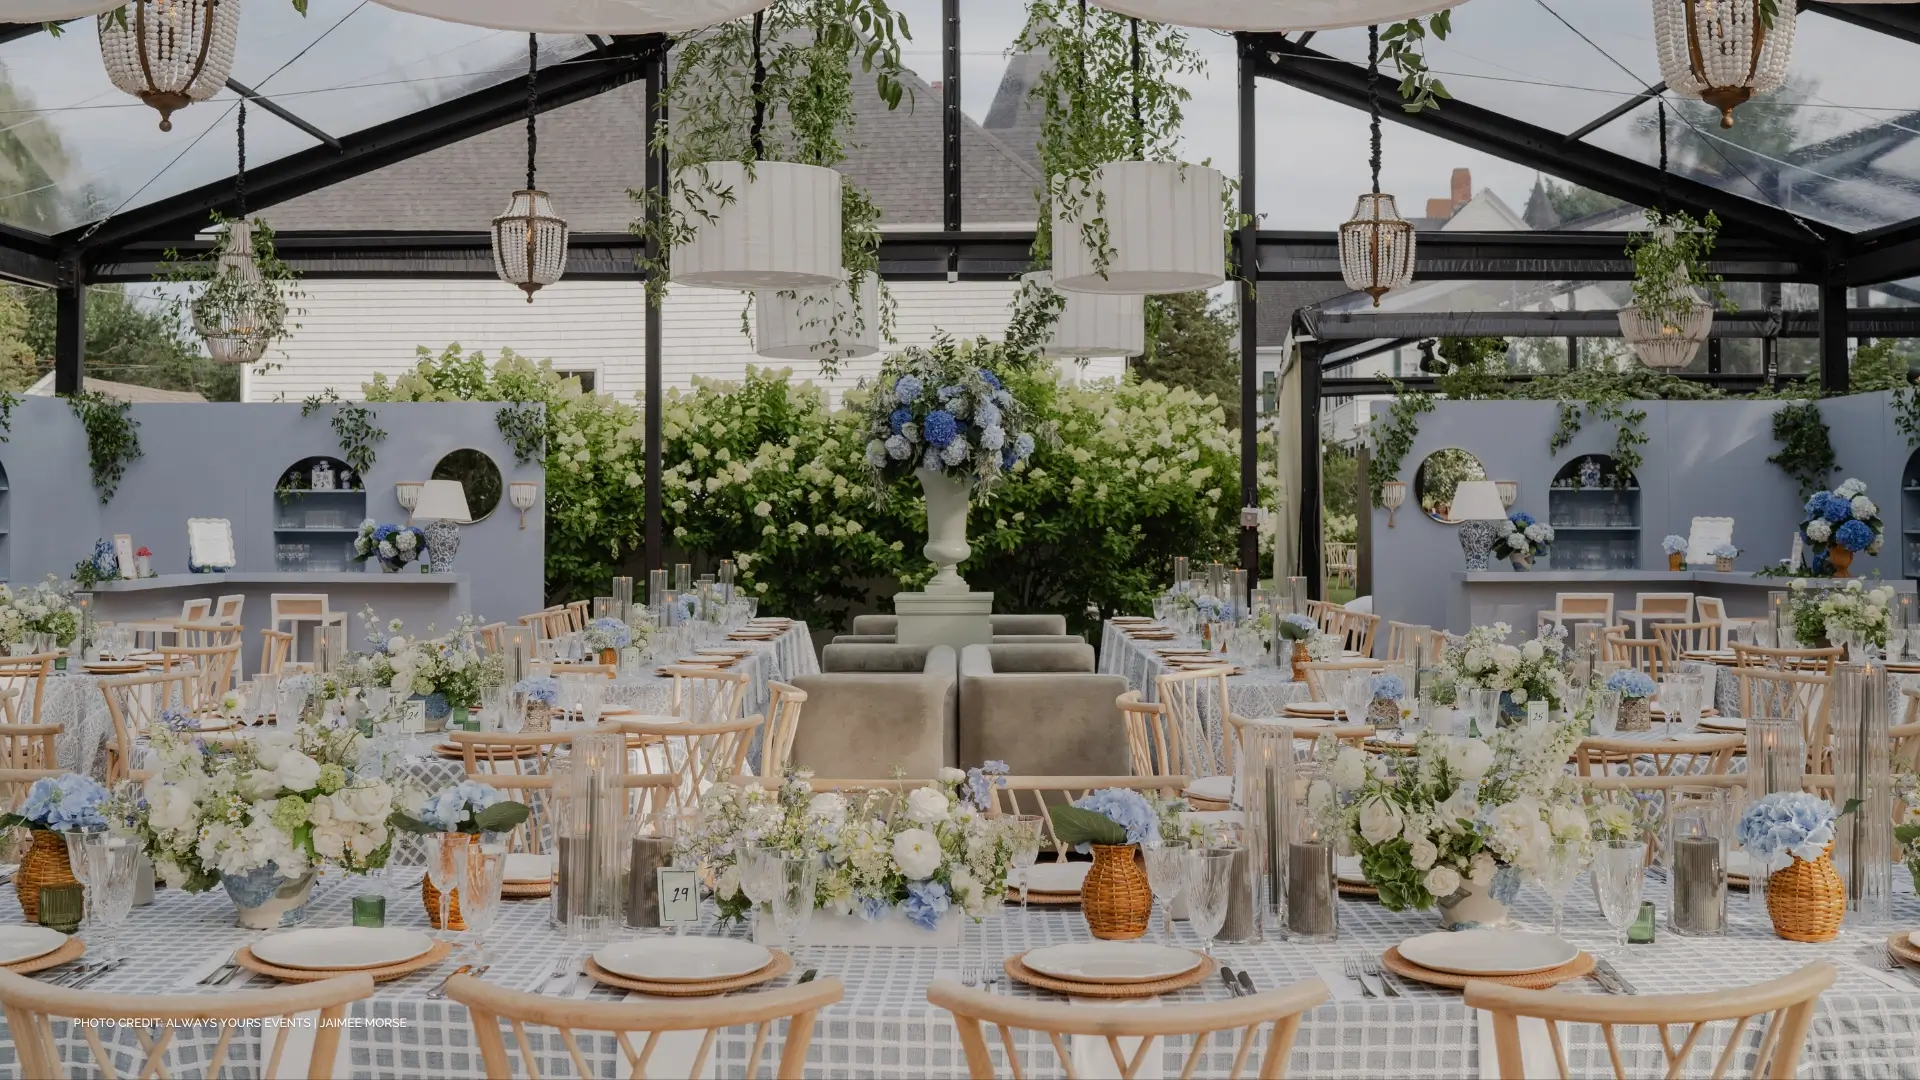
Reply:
x=1686, y=637
x=1714, y=609
x=548, y=624
x=489, y=1004
x=1205, y=746
x=491, y=638
x=1785, y=1005
x=274, y=648
x=1820, y=661
x=293, y=611
x=1318, y=686
x=25, y=746
x=1650, y=606
x=212, y=667
x=1799, y=694
x=31, y=1006
x=699, y=755
x=1239, y=1020
x=1354, y=628
x=1648, y=655
x=1305, y=729
x=1154, y=744
x=1689, y=757
x=15, y=783
x=784, y=704
x=703, y=695
x=227, y=609
x=1906, y=740
x=579, y=613
x=135, y=703
x=28, y=676
x=206, y=635
x=1322, y=614
x=1400, y=644
x=1034, y=794
x=1570, y=607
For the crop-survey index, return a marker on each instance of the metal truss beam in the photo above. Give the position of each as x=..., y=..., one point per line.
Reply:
x=1328, y=326
x=1364, y=387
x=1287, y=255
x=1894, y=21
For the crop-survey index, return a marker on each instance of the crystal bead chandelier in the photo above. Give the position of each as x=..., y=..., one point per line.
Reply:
x=1376, y=244
x=530, y=240
x=1722, y=51
x=239, y=312
x=169, y=53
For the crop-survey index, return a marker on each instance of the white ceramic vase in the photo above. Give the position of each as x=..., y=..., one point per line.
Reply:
x=947, y=494
x=1475, y=906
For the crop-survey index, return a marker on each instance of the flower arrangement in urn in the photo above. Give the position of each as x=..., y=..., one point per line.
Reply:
x=1524, y=673
x=393, y=545
x=607, y=636
x=1524, y=539
x=1838, y=525
x=1791, y=833
x=1723, y=557
x=54, y=805
x=1675, y=546
x=1636, y=693
x=1849, y=613
x=42, y=616
x=1299, y=631
x=1113, y=823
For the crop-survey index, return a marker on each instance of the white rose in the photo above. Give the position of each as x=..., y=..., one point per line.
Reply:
x=927, y=805
x=367, y=839
x=1380, y=820
x=1532, y=651
x=1349, y=769
x=918, y=853
x=329, y=843
x=728, y=886
x=1423, y=853
x=828, y=806
x=1469, y=759
x=1483, y=868
x=367, y=803
x=412, y=801
x=950, y=775
x=1568, y=822
x=270, y=745
x=320, y=812
x=1518, y=694
x=260, y=783
x=169, y=808
x=298, y=772
x=1442, y=881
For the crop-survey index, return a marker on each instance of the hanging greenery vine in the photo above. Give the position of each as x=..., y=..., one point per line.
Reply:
x=1906, y=413
x=1806, y=446
x=778, y=87
x=524, y=424
x=8, y=402
x=1393, y=441
x=113, y=440
x=1404, y=45
x=353, y=423
x=1669, y=262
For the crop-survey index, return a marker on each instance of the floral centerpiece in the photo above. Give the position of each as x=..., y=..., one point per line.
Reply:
x=1635, y=688
x=458, y=814
x=450, y=673
x=1455, y=822
x=1906, y=835
x=1525, y=538
x=1838, y=525
x=394, y=545
x=1300, y=630
x=1791, y=834
x=1723, y=557
x=54, y=805
x=1525, y=673
x=1852, y=612
x=261, y=816
x=538, y=695
x=1113, y=823
x=1675, y=546
x=1385, y=709
x=944, y=416
x=917, y=855
x=607, y=636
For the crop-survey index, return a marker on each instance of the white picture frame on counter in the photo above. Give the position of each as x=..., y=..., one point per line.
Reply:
x=1704, y=535
x=209, y=545
x=123, y=554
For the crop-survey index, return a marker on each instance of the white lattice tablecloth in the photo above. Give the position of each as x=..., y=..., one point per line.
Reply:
x=73, y=700
x=1265, y=691
x=885, y=1028
x=1726, y=689
x=779, y=660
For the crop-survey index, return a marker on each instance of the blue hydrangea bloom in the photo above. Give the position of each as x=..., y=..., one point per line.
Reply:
x=987, y=415
x=1128, y=809
x=938, y=428
x=947, y=393
x=544, y=689
x=1006, y=457
x=992, y=438
x=1816, y=504
x=955, y=452
x=982, y=779
x=990, y=378
x=1854, y=535
x=898, y=449
x=64, y=803
x=926, y=901
x=872, y=907
x=900, y=418
x=1521, y=518
x=1836, y=509
x=1785, y=825
x=1023, y=446
x=455, y=806
x=1631, y=683
x=1388, y=687
x=907, y=388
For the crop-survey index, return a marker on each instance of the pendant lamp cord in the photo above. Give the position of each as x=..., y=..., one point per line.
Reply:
x=1661, y=103
x=533, y=103
x=240, y=174
x=759, y=90
x=1139, y=132
x=1373, y=100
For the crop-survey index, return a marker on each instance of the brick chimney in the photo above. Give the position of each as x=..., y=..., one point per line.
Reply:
x=1461, y=193
x=1440, y=209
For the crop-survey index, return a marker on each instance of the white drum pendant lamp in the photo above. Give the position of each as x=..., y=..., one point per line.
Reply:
x=583, y=16
x=169, y=53
x=1720, y=51
x=530, y=240
x=818, y=324
x=780, y=230
x=1376, y=244
x=1276, y=14
x=1094, y=324
x=1163, y=230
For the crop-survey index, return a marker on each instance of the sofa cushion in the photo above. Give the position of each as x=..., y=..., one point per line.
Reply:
x=1029, y=624
x=875, y=659
x=1038, y=639
x=876, y=624
x=1013, y=659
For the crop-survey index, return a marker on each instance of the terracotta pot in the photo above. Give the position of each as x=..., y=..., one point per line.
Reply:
x=1116, y=898
x=1807, y=901
x=1842, y=560
x=1677, y=561
x=44, y=864
x=1300, y=660
x=610, y=657
x=431, y=896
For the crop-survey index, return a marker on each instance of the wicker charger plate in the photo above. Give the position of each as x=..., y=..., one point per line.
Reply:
x=1898, y=945
x=66, y=953
x=1575, y=968
x=244, y=957
x=1019, y=970
x=778, y=966
x=1355, y=888
x=1043, y=899
x=525, y=890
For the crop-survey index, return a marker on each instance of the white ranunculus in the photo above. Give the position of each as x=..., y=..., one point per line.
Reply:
x=260, y=783
x=950, y=775
x=1469, y=759
x=917, y=851
x=298, y=772
x=367, y=803
x=320, y=812
x=329, y=843
x=927, y=805
x=268, y=746
x=1442, y=881
x=1380, y=820
x=828, y=806
x=170, y=807
x=1422, y=853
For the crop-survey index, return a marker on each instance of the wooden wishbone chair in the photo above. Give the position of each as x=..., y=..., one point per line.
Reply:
x=15, y=783
x=1315, y=668
x=1906, y=744
x=699, y=755
x=1787, y=1005
x=135, y=703
x=1153, y=743
x=489, y=1003
x=703, y=695
x=784, y=704
x=1681, y=638
x=31, y=1006
x=1060, y=1020
x=1648, y=655
x=1034, y=794
x=1800, y=694
x=27, y=746
x=1686, y=758
x=28, y=675
x=274, y=648
x=211, y=668
x=1817, y=661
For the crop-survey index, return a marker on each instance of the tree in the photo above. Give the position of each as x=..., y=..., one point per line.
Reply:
x=1571, y=201
x=1193, y=346
x=17, y=361
x=1881, y=365
x=137, y=340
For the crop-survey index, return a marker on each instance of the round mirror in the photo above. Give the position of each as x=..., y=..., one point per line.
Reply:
x=1439, y=474
x=478, y=475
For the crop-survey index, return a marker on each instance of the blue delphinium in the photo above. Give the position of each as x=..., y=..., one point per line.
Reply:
x=454, y=807
x=1631, y=683
x=982, y=779
x=907, y=389
x=1126, y=808
x=544, y=689
x=64, y=803
x=939, y=428
x=926, y=901
x=1854, y=535
x=1388, y=688
x=1787, y=825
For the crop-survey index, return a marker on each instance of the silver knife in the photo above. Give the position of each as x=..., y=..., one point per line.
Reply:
x=94, y=975
x=1611, y=978
x=1246, y=982
x=806, y=976
x=440, y=991
x=1226, y=976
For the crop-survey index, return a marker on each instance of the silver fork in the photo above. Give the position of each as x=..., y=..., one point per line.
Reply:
x=1372, y=967
x=970, y=974
x=1353, y=972
x=214, y=977
x=75, y=973
x=559, y=969
x=1889, y=962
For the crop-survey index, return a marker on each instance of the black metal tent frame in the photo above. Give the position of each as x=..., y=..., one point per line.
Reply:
x=1759, y=242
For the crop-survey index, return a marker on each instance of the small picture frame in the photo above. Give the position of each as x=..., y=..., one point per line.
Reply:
x=1705, y=534
x=413, y=716
x=123, y=552
x=209, y=545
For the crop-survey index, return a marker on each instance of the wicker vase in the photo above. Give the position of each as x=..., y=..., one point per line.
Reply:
x=1636, y=714
x=1722, y=564
x=1299, y=661
x=1806, y=901
x=431, y=897
x=1842, y=561
x=44, y=864
x=1116, y=897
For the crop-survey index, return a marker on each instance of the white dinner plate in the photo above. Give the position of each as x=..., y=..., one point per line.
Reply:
x=1739, y=863
x=218, y=723
x=1488, y=952
x=527, y=869
x=20, y=942
x=1347, y=868
x=1112, y=962
x=1212, y=788
x=683, y=959
x=1707, y=654
x=1057, y=877
x=1913, y=939
x=338, y=948
x=1312, y=708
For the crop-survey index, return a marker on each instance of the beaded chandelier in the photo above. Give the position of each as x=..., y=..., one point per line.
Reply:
x=1722, y=51
x=530, y=240
x=1376, y=244
x=239, y=313
x=169, y=53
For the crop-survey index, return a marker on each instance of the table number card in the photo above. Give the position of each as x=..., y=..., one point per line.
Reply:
x=1536, y=713
x=679, y=896
x=413, y=717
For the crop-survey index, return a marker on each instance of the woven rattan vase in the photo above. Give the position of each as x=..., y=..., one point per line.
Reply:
x=431, y=897
x=1806, y=900
x=1636, y=714
x=1116, y=898
x=1300, y=660
x=44, y=864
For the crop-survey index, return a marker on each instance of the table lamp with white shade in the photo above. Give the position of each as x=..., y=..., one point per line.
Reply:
x=443, y=509
x=1476, y=505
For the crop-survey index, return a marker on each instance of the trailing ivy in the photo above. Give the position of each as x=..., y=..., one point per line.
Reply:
x=1669, y=262
x=8, y=402
x=524, y=424
x=353, y=422
x=1806, y=446
x=1405, y=47
x=1394, y=441
x=113, y=440
x=1906, y=413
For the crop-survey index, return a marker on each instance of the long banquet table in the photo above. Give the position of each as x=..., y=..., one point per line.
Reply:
x=1265, y=691
x=1868, y=1024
